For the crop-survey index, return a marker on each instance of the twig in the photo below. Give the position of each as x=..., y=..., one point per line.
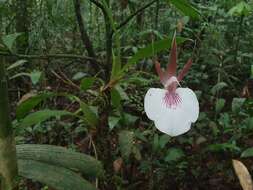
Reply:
x=123, y=23
x=52, y=56
x=64, y=80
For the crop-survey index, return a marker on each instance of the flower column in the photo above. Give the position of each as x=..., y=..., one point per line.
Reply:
x=8, y=160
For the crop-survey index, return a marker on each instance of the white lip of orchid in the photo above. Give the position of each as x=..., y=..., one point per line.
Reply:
x=170, y=81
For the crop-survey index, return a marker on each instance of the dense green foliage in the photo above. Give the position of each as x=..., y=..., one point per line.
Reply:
x=78, y=73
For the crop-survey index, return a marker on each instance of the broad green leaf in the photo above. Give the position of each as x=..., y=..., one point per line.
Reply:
x=35, y=77
x=9, y=40
x=219, y=86
x=60, y=156
x=186, y=8
x=126, y=142
x=151, y=50
x=113, y=121
x=129, y=119
x=237, y=104
x=247, y=153
x=220, y=103
x=42, y=115
x=174, y=154
x=56, y=177
x=86, y=83
x=89, y=115
x=17, y=64
x=26, y=106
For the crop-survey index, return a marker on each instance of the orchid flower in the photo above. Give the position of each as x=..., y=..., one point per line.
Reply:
x=173, y=108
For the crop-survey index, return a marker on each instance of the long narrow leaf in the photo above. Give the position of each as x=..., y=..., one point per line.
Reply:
x=56, y=177
x=59, y=156
x=186, y=8
x=151, y=49
x=42, y=115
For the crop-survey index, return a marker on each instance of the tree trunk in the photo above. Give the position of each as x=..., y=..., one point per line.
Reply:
x=22, y=25
x=8, y=160
x=84, y=36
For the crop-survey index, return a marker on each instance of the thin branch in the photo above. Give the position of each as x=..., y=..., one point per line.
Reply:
x=129, y=18
x=49, y=56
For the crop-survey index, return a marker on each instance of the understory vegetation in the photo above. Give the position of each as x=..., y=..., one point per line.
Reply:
x=78, y=72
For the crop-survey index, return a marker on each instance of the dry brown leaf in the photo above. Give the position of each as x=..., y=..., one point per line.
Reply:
x=243, y=175
x=117, y=165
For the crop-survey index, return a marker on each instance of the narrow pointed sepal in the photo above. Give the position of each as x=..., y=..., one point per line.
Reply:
x=185, y=69
x=172, y=66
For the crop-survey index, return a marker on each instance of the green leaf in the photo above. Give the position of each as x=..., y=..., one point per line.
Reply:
x=56, y=177
x=241, y=9
x=62, y=157
x=113, y=121
x=26, y=106
x=122, y=93
x=86, y=83
x=137, y=153
x=42, y=115
x=79, y=75
x=219, y=86
x=247, y=153
x=9, y=40
x=35, y=77
x=174, y=154
x=116, y=64
x=109, y=14
x=90, y=115
x=220, y=103
x=115, y=98
x=186, y=8
x=237, y=104
x=16, y=64
x=126, y=142
x=151, y=50
x=223, y=147
x=164, y=139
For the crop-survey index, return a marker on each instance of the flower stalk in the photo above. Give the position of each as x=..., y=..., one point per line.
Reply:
x=8, y=159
